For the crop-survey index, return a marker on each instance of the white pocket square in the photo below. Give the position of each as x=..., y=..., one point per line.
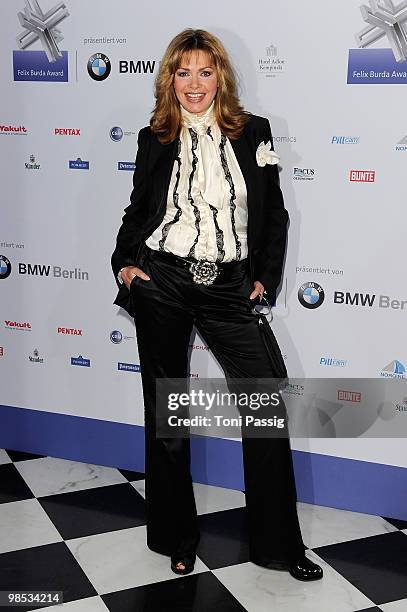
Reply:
x=264, y=154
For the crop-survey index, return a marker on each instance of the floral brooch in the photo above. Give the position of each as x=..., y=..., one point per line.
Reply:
x=265, y=155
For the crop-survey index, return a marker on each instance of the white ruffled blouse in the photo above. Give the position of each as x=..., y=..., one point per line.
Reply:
x=206, y=215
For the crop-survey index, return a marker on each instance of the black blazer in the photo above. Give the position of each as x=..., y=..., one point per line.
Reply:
x=267, y=217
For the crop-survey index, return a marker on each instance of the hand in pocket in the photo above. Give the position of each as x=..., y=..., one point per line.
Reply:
x=130, y=272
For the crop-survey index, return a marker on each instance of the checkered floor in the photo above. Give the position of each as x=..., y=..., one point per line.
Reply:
x=80, y=529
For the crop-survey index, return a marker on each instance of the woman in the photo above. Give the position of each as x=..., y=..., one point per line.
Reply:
x=202, y=240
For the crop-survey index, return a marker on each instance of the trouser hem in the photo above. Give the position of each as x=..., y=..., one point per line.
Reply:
x=159, y=549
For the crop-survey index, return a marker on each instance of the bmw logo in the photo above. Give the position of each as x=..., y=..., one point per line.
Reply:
x=99, y=66
x=116, y=133
x=5, y=267
x=311, y=295
x=116, y=336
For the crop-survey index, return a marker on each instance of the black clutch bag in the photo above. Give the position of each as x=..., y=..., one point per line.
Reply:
x=273, y=350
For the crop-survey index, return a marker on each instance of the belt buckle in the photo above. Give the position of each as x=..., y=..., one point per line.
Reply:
x=204, y=271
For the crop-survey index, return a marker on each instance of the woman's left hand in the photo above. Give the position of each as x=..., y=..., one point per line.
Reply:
x=258, y=290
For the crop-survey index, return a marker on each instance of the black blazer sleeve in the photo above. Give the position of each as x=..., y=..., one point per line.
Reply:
x=270, y=256
x=129, y=234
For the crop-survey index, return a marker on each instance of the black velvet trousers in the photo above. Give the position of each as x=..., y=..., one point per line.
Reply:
x=166, y=309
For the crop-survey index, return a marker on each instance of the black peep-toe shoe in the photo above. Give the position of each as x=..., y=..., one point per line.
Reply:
x=187, y=560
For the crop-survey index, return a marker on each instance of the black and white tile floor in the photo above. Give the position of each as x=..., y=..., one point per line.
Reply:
x=80, y=529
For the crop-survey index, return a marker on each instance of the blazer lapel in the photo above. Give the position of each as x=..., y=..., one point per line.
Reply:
x=161, y=164
x=247, y=163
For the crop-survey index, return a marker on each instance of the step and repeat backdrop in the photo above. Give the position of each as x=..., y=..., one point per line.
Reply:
x=76, y=84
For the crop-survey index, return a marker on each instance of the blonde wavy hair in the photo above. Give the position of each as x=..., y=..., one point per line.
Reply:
x=166, y=116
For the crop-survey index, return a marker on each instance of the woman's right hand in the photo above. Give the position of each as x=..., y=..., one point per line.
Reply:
x=129, y=272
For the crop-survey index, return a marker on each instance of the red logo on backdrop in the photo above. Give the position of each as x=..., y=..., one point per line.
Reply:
x=362, y=176
x=67, y=131
x=1, y=351
x=69, y=331
x=201, y=347
x=17, y=325
x=349, y=396
x=13, y=129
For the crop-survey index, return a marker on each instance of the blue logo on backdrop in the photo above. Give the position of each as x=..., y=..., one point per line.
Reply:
x=126, y=165
x=332, y=361
x=345, y=140
x=303, y=174
x=311, y=295
x=5, y=267
x=116, y=336
x=34, y=66
x=129, y=367
x=402, y=144
x=78, y=164
x=387, y=65
x=99, y=66
x=51, y=64
x=394, y=369
x=116, y=133
x=80, y=361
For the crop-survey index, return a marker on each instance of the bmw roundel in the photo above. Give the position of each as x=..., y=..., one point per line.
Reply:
x=311, y=295
x=5, y=267
x=99, y=66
